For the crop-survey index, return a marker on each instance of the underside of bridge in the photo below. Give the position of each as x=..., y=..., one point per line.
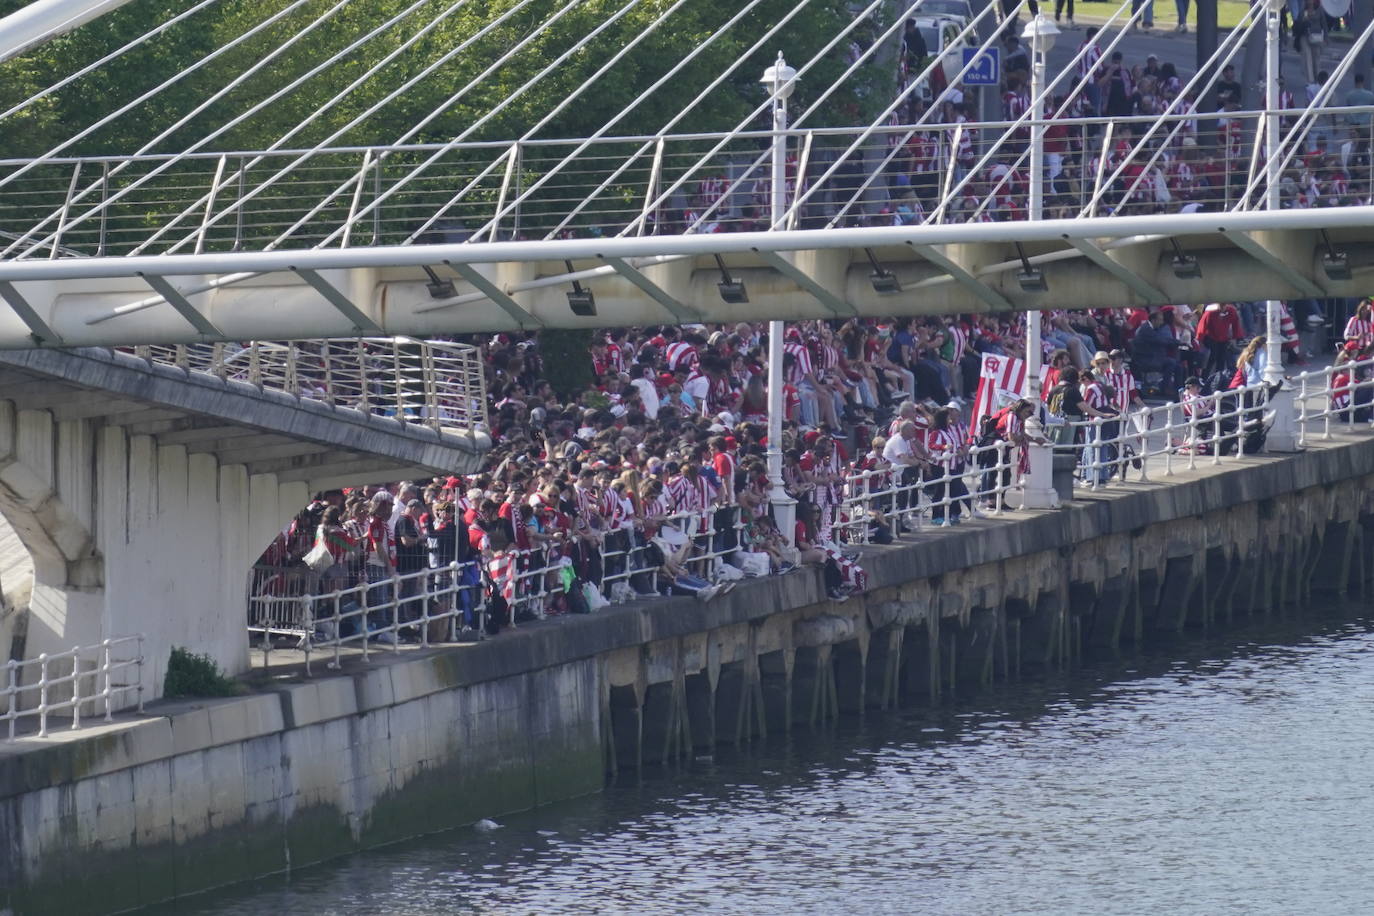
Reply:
x=932, y=270
x=141, y=495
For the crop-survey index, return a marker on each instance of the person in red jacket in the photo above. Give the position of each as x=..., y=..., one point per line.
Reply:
x=1218, y=330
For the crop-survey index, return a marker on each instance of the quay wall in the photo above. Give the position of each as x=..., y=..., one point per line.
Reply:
x=201, y=794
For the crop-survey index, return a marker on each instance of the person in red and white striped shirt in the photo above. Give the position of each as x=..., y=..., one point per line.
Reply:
x=1360, y=328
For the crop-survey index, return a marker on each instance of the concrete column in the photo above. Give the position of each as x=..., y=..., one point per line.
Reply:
x=813, y=678
x=975, y=648
x=1042, y=631
x=1109, y=615
x=851, y=670
x=627, y=726
x=775, y=685
x=884, y=665
x=700, y=698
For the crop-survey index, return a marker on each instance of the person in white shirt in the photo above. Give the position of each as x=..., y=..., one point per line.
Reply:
x=907, y=451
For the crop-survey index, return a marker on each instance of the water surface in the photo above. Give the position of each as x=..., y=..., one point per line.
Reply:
x=1230, y=775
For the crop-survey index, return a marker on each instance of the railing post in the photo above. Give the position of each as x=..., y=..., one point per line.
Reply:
x=104, y=210
x=76, y=687
x=43, y=695
x=12, y=688
x=139, y=669
x=363, y=383
x=108, y=691
x=238, y=210
x=254, y=364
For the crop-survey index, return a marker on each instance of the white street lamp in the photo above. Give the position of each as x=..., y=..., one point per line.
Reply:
x=1282, y=435
x=780, y=80
x=1041, y=32
x=1037, y=487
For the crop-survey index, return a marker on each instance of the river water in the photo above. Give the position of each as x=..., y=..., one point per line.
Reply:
x=1230, y=775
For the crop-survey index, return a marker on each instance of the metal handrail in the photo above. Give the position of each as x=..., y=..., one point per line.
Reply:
x=61, y=681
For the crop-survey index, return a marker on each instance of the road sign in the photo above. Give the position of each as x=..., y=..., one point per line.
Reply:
x=986, y=69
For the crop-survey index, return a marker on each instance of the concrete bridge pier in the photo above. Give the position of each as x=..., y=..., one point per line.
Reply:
x=700, y=696
x=1175, y=607
x=882, y=686
x=851, y=673
x=740, y=713
x=817, y=700
x=776, y=685
x=1044, y=634
x=977, y=644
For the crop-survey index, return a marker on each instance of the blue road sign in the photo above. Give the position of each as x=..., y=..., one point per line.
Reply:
x=986, y=69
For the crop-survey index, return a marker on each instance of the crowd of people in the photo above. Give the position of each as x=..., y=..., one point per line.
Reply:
x=651, y=479
x=939, y=167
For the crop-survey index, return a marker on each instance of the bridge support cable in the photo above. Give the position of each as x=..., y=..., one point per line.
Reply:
x=100, y=62
x=657, y=144
x=953, y=192
x=513, y=206
x=1292, y=141
x=281, y=92
x=130, y=106
x=1229, y=48
x=666, y=195
x=494, y=67
x=790, y=215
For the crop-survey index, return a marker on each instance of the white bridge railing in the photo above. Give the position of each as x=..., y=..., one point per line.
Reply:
x=663, y=185
x=433, y=383
x=82, y=680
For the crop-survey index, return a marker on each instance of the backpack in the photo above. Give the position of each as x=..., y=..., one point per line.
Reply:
x=987, y=427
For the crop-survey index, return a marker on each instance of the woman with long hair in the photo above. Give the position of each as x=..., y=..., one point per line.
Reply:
x=1251, y=362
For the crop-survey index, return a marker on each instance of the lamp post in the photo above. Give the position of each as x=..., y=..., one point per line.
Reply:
x=1037, y=489
x=1041, y=33
x=1282, y=435
x=780, y=80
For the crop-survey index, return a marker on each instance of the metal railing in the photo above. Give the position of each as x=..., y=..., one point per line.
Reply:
x=422, y=607
x=1216, y=425
x=437, y=384
x=975, y=483
x=645, y=185
x=80, y=679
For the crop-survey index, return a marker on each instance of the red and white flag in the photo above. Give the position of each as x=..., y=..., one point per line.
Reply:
x=1002, y=380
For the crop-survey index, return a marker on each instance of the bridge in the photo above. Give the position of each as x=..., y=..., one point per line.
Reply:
x=186, y=245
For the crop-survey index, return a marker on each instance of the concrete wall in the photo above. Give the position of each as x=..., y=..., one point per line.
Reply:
x=126, y=536
x=203, y=794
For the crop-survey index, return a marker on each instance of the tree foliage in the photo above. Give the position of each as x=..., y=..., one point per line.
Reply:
x=452, y=100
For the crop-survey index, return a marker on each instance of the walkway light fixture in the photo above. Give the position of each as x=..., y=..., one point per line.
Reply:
x=1334, y=263
x=438, y=287
x=883, y=280
x=580, y=300
x=1185, y=265
x=1032, y=279
x=732, y=291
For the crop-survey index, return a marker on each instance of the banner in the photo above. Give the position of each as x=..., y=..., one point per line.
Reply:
x=1001, y=381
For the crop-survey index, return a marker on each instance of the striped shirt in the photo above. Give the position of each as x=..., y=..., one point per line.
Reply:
x=802, y=367
x=681, y=355
x=1124, y=387
x=946, y=447
x=1360, y=330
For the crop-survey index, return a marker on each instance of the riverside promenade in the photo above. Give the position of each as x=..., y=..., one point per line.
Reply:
x=198, y=794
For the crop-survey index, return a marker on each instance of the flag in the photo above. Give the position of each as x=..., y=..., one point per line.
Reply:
x=1002, y=379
